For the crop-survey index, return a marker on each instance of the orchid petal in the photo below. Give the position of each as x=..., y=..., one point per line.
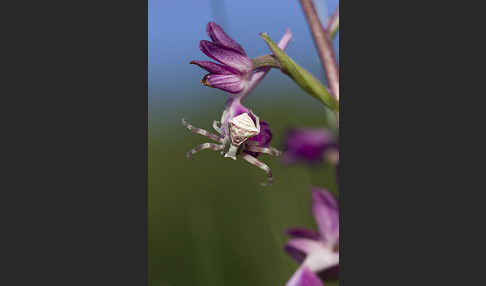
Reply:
x=217, y=34
x=226, y=56
x=295, y=253
x=230, y=83
x=331, y=273
x=304, y=277
x=325, y=210
x=264, y=137
x=214, y=67
x=284, y=41
x=321, y=260
x=305, y=245
x=318, y=257
x=303, y=233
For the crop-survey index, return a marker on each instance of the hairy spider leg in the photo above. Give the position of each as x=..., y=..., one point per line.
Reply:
x=202, y=132
x=270, y=150
x=257, y=122
x=253, y=143
x=217, y=127
x=212, y=146
x=254, y=161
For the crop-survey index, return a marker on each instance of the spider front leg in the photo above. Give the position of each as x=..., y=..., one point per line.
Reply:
x=257, y=119
x=202, y=132
x=265, y=150
x=254, y=161
x=217, y=127
x=212, y=146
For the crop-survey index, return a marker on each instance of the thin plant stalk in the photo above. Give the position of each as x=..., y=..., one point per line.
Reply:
x=322, y=40
x=333, y=24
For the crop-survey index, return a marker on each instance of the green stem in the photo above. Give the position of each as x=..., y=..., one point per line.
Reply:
x=265, y=61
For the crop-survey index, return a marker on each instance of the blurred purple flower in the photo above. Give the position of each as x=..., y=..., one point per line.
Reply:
x=310, y=145
x=234, y=70
x=304, y=277
x=319, y=251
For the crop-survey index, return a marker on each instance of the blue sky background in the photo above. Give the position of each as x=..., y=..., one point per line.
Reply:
x=176, y=27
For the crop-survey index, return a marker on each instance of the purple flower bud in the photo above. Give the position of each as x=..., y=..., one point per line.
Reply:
x=234, y=70
x=309, y=145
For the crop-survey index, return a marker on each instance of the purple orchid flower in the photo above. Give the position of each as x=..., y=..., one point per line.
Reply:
x=304, y=277
x=235, y=68
x=319, y=251
x=239, y=128
x=311, y=146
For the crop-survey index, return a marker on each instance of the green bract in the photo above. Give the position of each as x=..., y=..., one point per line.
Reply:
x=301, y=76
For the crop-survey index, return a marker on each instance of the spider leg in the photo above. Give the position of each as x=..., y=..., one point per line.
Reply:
x=253, y=143
x=254, y=161
x=202, y=132
x=265, y=150
x=212, y=146
x=257, y=122
x=217, y=126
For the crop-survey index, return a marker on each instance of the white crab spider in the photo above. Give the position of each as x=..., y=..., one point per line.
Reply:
x=235, y=135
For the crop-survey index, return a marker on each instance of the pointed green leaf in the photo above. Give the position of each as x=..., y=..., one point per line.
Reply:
x=301, y=76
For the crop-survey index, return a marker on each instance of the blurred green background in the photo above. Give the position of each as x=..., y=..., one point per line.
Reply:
x=210, y=221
